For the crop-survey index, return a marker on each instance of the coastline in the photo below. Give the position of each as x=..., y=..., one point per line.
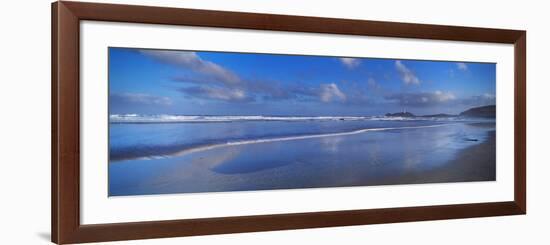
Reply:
x=474, y=163
x=371, y=160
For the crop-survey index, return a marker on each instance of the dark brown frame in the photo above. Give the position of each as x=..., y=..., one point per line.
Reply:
x=66, y=227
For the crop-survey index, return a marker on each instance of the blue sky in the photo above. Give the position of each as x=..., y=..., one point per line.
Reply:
x=145, y=81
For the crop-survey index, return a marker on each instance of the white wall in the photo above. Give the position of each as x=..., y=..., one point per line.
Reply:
x=25, y=125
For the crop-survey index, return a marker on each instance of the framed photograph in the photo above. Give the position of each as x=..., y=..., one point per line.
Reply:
x=176, y=122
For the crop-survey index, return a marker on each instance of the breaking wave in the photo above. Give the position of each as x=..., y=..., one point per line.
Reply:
x=138, y=118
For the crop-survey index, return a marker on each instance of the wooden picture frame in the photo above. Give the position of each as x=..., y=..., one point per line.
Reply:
x=65, y=175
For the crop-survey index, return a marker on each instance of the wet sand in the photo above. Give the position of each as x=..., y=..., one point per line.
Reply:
x=475, y=163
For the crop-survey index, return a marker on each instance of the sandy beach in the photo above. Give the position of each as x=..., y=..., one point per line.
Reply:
x=453, y=152
x=475, y=163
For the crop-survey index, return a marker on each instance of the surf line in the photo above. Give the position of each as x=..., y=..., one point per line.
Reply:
x=268, y=140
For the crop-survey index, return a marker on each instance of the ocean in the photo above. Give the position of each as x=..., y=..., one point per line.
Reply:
x=169, y=154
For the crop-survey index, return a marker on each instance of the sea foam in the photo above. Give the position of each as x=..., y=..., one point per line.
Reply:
x=137, y=118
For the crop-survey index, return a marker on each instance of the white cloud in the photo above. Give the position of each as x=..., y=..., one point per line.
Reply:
x=407, y=75
x=421, y=99
x=350, y=62
x=488, y=96
x=224, y=94
x=462, y=66
x=372, y=83
x=443, y=96
x=331, y=92
x=217, y=93
x=480, y=100
x=191, y=61
x=139, y=98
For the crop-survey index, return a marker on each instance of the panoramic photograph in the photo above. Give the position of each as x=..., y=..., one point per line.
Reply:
x=183, y=121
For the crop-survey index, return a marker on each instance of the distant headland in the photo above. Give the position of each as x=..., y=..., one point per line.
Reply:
x=479, y=112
